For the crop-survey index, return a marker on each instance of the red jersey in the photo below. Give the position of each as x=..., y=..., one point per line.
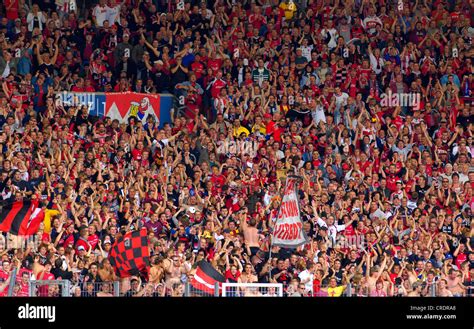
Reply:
x=349, y=231
x=461, y=258
x=214, y=64
x=93, y=240
x=257, y=20
x=271, y=128
x=392, y=182
x=365, y=73
x=197, y=68
x=4, y=275
x=137, y=154
x=43, y=290
x=216, y=88
x=217, y=180
x=232, y=278
x=83, y=243
x=12, y=11
x=316, y=286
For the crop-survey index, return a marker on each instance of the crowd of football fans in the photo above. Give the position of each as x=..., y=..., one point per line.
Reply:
x=264, y=89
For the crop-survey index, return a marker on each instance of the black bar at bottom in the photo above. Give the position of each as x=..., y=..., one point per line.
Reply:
x=354, y=312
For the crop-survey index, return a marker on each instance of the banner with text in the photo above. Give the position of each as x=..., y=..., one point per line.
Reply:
x=288, y=230
x=121, y=106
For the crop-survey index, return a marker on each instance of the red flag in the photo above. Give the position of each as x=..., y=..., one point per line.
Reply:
x=31, y=226
x=206, y=277
x=130, y=254
x=21, y=217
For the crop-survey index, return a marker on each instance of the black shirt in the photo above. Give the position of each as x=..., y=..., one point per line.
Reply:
x=464, y=121
x=285, y=278
x=173, y=197
x=65, y=275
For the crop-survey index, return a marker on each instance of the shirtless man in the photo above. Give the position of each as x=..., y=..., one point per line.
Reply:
x=454, y=283
x=251, y=236
x=248, y=276
x=174, y=271
x=443, y=291
x=373, y=274
x=416, y=292
x=157, y=271
x=168, y=259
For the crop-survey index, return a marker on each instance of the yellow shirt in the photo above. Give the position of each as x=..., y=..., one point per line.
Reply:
x=241, y=130
x=262, y=129
x=289, y=8
x=285, y=108
x=47, y=219
x=281, y=173
x=336, y=292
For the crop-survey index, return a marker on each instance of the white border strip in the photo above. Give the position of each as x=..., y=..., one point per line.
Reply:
x=279, y=287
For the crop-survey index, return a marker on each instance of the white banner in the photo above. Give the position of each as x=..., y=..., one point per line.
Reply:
x=288, y=230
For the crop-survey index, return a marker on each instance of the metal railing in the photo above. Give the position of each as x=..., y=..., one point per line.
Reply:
x=49, y=288
x=323, y=290
x=66, y=288
x=96, y=289
x=12, y=282
x=154, y=290
x=170, y=290
x=354, y=290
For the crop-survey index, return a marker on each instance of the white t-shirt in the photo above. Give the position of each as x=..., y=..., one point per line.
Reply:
x=218, y=237
x=101, y=14
x=161, y=144
x=333, y=35
x=6, y=71
x=304, y=276
x=306, y=52
x=113, y=14
x=463, y=178
x=376, y=64
x=279, y=154
x=267, y=198
x=332, y=230
x=456, y=150
x=318, y=115
x=341, y=100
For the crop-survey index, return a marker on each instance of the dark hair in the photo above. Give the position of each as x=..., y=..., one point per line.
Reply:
x=58, y=263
